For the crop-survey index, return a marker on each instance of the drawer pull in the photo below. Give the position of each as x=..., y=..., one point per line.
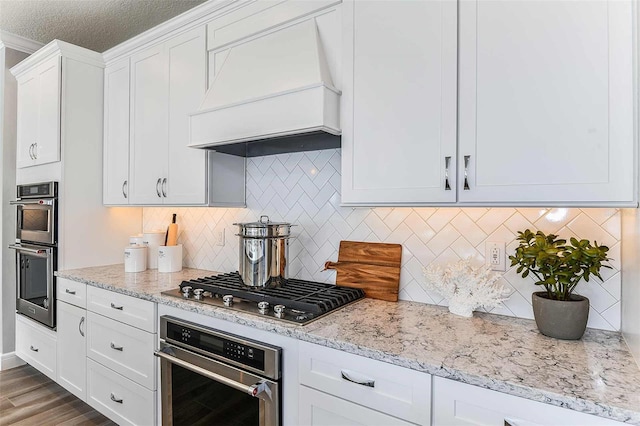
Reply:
x=117, y=348
x=116, y=307
x=71, y=292
x=357, y=378
x=80, y=326
x=114, y=399
x=33, y=349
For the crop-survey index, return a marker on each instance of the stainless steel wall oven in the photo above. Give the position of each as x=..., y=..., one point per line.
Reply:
x=212, y=377
x=36, y=250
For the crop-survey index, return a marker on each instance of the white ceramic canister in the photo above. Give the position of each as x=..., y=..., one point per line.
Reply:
x=170, y=258
x=136, y=240
x=135, y=258
x=153, y=240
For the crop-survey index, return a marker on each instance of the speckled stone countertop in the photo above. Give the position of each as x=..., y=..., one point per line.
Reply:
x=595, y=375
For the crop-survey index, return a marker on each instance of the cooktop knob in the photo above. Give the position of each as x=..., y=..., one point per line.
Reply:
x=263, y=307
x=198, y=294
x=227, y=300
x=279, y=311
x=186, y=291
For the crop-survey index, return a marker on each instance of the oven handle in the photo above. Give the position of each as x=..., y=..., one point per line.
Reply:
x=28, y=250
x=41, y=202
x=253, y=390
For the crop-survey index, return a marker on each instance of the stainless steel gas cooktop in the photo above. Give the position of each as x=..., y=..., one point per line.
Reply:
x=295, y=301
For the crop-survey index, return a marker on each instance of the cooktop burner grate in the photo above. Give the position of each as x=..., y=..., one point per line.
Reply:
x=307, y=296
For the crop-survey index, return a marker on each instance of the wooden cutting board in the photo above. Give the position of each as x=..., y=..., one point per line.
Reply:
x=373, y=267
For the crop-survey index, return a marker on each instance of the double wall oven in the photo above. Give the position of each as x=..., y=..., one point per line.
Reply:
x=36, y=250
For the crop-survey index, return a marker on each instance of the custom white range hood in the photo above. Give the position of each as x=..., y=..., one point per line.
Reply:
x=277, y=85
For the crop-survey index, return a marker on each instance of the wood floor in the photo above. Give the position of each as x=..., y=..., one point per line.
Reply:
x=29, y=398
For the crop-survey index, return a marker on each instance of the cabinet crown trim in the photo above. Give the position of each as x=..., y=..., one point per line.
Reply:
x=19, y=43
x=58, y=47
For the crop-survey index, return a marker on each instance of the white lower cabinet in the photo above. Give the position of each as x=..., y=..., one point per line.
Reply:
x=124, y=349
x=72, y=349
x=381, y=392
x=120, y=399
x=36, y=345
x=456, y=403
x=320, y=409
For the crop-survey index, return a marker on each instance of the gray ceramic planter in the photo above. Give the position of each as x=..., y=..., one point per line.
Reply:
x=562, y=319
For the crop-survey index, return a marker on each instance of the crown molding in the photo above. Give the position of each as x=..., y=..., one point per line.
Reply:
x=16, y=42
x=198, y=15
x=59, y=47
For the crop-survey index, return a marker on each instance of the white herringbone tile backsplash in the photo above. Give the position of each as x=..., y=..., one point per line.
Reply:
x=304, y=189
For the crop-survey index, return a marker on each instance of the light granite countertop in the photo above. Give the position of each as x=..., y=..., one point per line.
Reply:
x=595, y=375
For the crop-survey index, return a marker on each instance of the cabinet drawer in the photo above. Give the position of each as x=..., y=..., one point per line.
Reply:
x=125, y=349
x=72, y=292
x=317, y=408
x=394, y=390
x=126, y=309
x=456, y=403
x=36, y=345
x=118, y=398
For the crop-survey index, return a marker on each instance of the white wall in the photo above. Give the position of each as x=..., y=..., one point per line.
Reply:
x=304, y=189
x=8, y=109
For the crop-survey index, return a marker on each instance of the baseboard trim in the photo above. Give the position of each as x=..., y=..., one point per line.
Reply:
x=10, y=360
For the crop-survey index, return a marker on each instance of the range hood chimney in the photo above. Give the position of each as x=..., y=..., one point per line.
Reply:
x=274, y=86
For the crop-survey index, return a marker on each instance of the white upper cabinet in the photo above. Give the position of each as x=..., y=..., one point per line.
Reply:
x=399, y=102
x=542, y=91
x=546, y=102
x=167, y=82
x=39, y=98
x=116, y=133
x=149, y=125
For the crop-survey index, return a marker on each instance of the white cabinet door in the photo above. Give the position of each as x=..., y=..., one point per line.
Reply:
x=321, y=409
x=72, y=349
x=39, y=97
x=116, y=134
x=186, y=179
x=47, y=148
x=546, y=101
x=399, y=102
x=149, y=125
x=28, y=88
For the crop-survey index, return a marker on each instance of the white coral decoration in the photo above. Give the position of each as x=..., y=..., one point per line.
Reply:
x=465, y=286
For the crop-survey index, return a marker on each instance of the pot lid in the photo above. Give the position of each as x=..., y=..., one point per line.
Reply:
x=263, y=222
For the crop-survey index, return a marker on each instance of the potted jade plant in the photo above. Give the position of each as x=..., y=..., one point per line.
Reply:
x=559, y=267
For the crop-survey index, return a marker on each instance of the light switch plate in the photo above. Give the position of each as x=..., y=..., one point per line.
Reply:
x=218, y=236
x=495, y=256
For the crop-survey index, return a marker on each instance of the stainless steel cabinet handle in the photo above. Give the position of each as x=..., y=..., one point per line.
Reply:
x=164, y=187
x=33, y=349
x=447, y=161
x=35, y=150
x=116, y=307
x=114, y=399
x=466, y=172
x=124, y=186
x=348, y=375
x=80, y=327
x=31, y=151
x=117, y=348
x=158, y=187
x=71, y=292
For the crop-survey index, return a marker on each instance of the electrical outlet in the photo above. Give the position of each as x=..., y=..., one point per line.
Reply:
x=495, y=256
x=218, y=235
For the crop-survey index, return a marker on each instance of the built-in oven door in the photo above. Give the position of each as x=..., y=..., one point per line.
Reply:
x=197, y=390
x=35, y=297
x=36, y=220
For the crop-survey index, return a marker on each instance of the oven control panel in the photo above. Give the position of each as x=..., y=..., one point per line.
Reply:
x=227, y=347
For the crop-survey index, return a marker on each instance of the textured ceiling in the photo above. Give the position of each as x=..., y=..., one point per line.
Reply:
x=95, y=24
